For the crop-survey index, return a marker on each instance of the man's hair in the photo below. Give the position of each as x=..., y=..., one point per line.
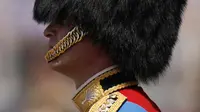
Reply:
x=138, y=35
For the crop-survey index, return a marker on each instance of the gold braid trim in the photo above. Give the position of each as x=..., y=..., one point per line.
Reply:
x=109, y=103
x=73, y=37
x=119, y=86
x=93, y=92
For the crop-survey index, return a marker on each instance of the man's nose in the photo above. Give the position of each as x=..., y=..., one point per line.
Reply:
x=50, y=31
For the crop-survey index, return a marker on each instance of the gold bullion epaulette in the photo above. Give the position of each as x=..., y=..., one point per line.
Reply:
x=109, y=103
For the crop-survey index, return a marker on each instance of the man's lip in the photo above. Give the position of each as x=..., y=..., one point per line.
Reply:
x=50, y=47
x=51, y=44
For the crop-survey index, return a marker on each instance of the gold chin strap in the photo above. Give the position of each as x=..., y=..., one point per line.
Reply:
x=73, y=37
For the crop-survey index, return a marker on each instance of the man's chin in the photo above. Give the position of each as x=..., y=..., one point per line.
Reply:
x=58, y=67
x=55, y=64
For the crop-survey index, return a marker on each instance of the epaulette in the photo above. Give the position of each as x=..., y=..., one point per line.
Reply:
x=109, y=103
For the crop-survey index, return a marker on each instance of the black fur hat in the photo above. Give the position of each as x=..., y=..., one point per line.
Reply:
x=139, y=35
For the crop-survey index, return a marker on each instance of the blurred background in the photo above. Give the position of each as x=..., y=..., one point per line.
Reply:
x=28, y=85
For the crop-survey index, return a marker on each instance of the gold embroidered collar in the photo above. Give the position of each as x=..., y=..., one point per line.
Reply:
x=95, y=90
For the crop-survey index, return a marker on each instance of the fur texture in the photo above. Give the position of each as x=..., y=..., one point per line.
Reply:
x=139, y=35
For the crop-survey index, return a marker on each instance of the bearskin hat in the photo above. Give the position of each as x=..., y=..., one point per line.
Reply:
x=138, y=35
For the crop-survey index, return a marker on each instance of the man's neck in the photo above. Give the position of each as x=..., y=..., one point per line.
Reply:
x=89, y=72
x=97, y=75
x=86, y=72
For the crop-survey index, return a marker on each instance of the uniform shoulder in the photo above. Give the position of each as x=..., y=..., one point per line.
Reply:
x=131, y=107
x=115, y=102
x=137, y=96
x=109, y=103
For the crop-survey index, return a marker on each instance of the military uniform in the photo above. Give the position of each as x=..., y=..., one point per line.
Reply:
x=105, y=92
